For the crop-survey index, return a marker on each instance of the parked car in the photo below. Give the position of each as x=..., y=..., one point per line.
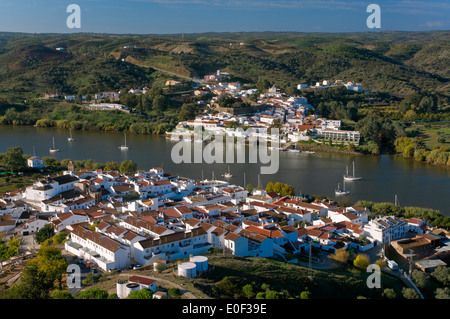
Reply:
x=392, y=264
x=134, y=266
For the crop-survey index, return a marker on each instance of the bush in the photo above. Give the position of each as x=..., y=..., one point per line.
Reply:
x=174, y=292
x=409, y=293
x=361, y=261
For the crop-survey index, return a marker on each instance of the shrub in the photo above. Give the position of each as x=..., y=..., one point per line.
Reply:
x=361, y=261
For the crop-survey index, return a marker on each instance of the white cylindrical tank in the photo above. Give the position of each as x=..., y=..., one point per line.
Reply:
x=187, y=270
x=132, y=286
x=120, y=288
x=201, y=262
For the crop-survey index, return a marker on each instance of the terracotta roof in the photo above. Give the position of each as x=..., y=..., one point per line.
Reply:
x=142, y=280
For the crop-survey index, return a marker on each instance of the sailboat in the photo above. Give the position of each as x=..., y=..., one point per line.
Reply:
x=227, y=175
x=340, y=192
x=53, y=149
x=353, y=177
x=70, y=138
x=124, y=147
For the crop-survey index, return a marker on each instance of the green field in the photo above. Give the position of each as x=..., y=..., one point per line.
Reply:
x=429, y=134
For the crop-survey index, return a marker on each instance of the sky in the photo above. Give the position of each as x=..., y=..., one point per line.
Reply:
x=197, y=16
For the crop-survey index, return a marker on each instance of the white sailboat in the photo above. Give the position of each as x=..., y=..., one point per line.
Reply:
x=340, y=192
x=70, y=138
x=353, y=177
x=227, y=175
x=124, y=147
x=53, y=149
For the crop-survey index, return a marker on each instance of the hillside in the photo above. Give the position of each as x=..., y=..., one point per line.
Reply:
x=392, y=62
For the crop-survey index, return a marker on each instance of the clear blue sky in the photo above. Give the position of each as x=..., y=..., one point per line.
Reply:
x=192, y=16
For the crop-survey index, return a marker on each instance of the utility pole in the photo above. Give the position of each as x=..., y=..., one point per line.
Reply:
x=410, y=257
x=310, y=260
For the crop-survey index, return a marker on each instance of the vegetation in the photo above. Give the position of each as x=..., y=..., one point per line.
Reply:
x=280, y=188
x=45, y=233
x=141, y=294
x=262, y=278
x=433, y=217
x=9, y=249
x=40, y=276
x=361, y=261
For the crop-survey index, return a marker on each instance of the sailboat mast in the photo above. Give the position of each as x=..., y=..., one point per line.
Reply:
x=354, y=175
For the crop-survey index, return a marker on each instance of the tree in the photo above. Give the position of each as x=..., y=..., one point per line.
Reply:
x=381, y=263
x=44, y=233
x=248, y=291
x=260, y=295
x=13, y=159
x=174, y=292
x=93, y=293
x=341, y=256
x=361, y=261
x=52, y=262
x=61, y=294
x=272, y=294
x=141, y=294
x=443, y=293
x=159, y=103
x=160, y=267
x=442, y=274
x=409, y=293
x=128, y=167
x=34, y=284
x=10, y=249
x=420, y=278
x=263, y=85
x=59, y=238
x=187, y=112
x=305, y=295
x=389, y=293
x=112, y=166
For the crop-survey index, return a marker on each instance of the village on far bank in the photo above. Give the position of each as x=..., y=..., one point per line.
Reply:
x=244, y=106
x=115, y=221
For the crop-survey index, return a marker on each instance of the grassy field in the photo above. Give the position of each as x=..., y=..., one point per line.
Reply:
x=430, y=135
x=227, y=275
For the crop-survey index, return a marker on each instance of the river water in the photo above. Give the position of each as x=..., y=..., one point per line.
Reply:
x=383, y=177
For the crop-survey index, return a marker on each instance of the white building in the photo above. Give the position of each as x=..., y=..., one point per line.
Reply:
x=35, y=162
x=106, y=253
x=385, y=229
x=50, y=187
x=172, y=247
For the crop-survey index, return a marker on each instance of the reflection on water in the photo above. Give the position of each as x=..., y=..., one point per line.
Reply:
x=416, y=184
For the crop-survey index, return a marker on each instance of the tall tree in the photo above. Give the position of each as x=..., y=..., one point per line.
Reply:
x=13, y=159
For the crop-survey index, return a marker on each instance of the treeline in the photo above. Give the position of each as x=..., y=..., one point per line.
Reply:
x=431, y=216
x=411, y=148
x=379, y=133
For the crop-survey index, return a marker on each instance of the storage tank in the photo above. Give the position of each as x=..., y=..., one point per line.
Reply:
x=201, y=262
x=132, y=286
x=120, y=288
x=187, y=270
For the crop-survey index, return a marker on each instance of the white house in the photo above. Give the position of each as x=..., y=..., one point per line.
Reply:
x=385, y=229
x=172, y=247
x=105, y=252
x=35, y=162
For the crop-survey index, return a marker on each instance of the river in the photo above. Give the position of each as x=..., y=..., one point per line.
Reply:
x=383, y=177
